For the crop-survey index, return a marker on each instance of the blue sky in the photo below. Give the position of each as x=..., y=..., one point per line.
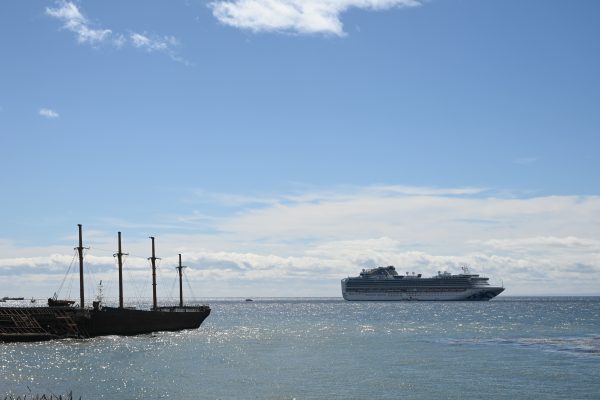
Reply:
x=285, y=144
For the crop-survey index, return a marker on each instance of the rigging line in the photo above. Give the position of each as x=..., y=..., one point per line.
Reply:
x=192, y=295
x=160, y=275
x=66, y=274
x=101, y=249
x=172, y=287
x=137, y=285
x=131, y=284
x=145, y=284
x=134, y=282
x=70, y=286
x=139, y=256
x=93, y=289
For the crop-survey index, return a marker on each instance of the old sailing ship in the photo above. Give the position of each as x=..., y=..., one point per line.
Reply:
x=60, y=320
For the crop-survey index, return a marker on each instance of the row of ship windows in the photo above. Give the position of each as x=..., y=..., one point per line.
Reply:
x=381, y=285
x=399, y=290
x=415, y=281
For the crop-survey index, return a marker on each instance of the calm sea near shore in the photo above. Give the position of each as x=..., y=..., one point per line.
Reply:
x=508, y=348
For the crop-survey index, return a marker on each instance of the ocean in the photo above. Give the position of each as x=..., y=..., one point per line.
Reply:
x=507, y=348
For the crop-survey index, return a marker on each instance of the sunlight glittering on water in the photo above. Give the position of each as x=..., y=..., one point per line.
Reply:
x=329, y=348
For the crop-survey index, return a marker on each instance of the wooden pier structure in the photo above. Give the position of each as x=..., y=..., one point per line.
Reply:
x=42, y=323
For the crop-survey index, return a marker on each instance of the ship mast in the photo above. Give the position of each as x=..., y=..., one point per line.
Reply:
x=180, y=269
x=153, y=260
x=119, y=256
x=80, y=252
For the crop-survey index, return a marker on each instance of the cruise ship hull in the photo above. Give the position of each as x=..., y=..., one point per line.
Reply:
x=422, y=294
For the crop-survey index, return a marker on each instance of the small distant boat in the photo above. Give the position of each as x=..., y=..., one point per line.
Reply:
x=60, y=303
x=54, y=301
x=249, y=300
x=12, y=298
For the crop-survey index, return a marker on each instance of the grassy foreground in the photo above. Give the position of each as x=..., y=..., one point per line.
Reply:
x=30, y=396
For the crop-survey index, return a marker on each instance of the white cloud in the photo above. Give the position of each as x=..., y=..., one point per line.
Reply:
x=47, y=113
x=300, y=16
x=443, y=222
x=77, y=23
x=144, y=42
x=548, y=243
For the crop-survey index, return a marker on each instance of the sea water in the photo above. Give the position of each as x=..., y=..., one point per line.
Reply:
x=508, y=348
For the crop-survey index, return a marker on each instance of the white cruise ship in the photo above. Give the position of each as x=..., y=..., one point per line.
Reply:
x=384, y=284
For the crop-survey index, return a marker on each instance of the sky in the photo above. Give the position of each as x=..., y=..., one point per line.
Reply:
x=282, y=145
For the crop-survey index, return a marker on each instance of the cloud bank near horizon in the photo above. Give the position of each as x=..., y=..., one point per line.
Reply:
x=296, y=16
x=302, y=244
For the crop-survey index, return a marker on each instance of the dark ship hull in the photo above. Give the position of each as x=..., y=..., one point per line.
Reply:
x=124, y=321
x=48, y=323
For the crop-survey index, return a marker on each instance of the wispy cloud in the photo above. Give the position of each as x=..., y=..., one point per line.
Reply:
x=339, y=193
x=297, y=16
x=74, y=21
x=547, y=243
x=48, y=113
x=157, y=44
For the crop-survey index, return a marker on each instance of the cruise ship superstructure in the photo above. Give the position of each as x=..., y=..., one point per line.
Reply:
x=385, y=284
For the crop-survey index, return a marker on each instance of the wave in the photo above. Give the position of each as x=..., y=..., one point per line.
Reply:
x=581, y=345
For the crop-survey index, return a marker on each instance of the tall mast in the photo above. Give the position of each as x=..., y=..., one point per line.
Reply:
x=180, y=269
x=80, y=251
x=153, y=260
x=119, y=256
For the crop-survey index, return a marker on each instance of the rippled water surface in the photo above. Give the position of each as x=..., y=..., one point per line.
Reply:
x=508, y=348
